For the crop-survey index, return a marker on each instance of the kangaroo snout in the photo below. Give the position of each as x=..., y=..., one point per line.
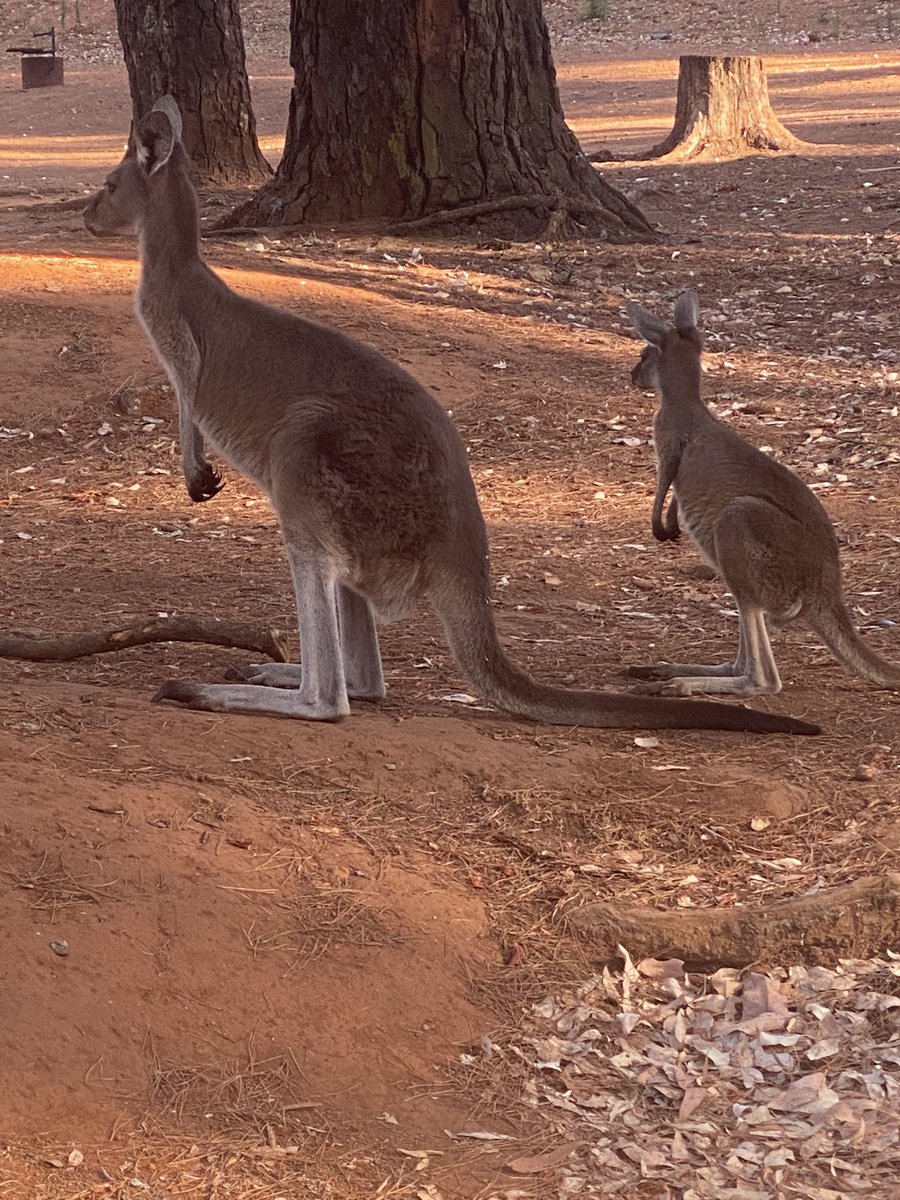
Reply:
x=644, y=371
x=89, y=217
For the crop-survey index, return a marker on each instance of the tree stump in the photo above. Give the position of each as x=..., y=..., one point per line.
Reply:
x=722, y=111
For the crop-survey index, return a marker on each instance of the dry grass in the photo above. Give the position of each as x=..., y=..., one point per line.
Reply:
x=54, y=887
x=321, y=920
x=251, y=1097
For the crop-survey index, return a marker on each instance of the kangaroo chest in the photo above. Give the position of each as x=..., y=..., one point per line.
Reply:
x=694, y=484
x=172, y=340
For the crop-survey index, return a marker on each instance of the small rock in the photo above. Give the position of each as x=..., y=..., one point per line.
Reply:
x=60, y=946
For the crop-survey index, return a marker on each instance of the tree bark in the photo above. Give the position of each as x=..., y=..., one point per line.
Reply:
x=722, y=110
x=415, y=107
x=195, y=52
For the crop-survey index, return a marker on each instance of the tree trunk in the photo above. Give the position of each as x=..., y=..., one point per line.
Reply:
x=416, y=107
x=722, y=111
x=195, y=52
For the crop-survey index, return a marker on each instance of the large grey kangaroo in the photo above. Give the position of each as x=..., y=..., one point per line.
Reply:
x=752, y=519
x=364, y=469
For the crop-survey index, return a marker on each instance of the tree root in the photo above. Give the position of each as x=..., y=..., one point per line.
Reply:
x=65, y=648
x=856, y=920
x=237, y=231
x=555, y=206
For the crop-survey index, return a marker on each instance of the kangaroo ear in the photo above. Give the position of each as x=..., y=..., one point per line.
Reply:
x=687, y=310
x=167, y=105
x=651, y=328
x=156, y=135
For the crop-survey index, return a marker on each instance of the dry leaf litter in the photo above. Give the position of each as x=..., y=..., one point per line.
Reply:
x=739, y=1087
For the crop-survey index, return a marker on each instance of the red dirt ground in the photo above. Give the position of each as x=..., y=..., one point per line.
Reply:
x=282, y=938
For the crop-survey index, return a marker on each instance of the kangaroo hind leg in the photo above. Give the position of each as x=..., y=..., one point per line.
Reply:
x=320, y=694
x=360, y=655
x=664, y=670
x=754, y=551
x=754, y=672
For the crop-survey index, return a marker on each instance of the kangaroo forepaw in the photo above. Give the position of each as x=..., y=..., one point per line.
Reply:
x=664, y=533
x=204, y=483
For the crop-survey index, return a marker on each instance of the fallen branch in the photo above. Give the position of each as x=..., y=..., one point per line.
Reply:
x=856, y=920
x=64, y=648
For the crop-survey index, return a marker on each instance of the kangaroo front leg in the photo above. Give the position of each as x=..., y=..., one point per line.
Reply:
x=668, y=530
x=673, y=529
x=203, y=480
x=322, y=694
x=182, y=357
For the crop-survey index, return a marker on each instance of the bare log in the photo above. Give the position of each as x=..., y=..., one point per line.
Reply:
x=66, y=647
x=722, y=111
x=856, y=920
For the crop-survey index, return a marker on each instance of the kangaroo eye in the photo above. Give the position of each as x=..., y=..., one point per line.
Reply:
x=110, y=186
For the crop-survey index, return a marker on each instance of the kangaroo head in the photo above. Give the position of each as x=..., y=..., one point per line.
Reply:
x=153, y=143
x=670, y=349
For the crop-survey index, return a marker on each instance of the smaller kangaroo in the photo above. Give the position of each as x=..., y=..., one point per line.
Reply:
x=752, y=519
x=364, y=469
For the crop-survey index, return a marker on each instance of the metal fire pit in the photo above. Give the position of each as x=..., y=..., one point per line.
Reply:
x=41, y=65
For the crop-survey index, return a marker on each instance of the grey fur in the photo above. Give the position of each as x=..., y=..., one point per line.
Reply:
x=364, y=469
x=752, y=519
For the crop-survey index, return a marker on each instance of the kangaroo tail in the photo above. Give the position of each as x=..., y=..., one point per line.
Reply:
x=834, y=628
x=469, y=626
